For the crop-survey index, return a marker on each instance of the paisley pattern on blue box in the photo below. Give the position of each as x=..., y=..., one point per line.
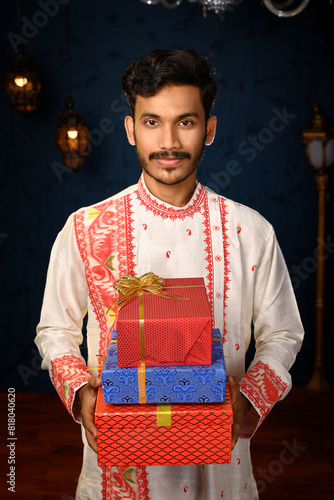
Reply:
x=164, y=375
x=127, y=399
x=150, y=390
x=216, y=389
x=204, y=375
x=125, y=377
x=165, y=399
x=203, y=399
x=184, y=392
x=173, y=384
x=110, y=390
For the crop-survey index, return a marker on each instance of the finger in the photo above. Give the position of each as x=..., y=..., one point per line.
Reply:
x=91, y=441
x=236, y=429
x=233, y=382
x=94, y=383
x=88, y=409
x=88, y=423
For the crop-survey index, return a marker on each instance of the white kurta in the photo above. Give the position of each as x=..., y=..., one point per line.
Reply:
x=235, y=250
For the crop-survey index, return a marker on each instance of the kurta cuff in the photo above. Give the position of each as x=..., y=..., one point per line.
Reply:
x=68, y=374
x=263, y=388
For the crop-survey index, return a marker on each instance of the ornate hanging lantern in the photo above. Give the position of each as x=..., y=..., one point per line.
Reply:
x=22, y=83
x=72, y=137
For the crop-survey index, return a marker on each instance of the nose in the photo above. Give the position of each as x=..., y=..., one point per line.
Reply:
x=169, y=138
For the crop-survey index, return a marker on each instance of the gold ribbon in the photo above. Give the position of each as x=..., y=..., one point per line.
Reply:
x=130, y=286
x=164, y=415
x=141, y=368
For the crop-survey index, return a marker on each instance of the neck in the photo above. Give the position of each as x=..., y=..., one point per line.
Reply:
x=177, y=195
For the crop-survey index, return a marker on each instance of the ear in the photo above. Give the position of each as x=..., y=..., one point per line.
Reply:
x=210, y=130
x=130, y=129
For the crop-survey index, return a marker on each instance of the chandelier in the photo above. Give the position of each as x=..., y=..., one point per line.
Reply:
x=281, y=8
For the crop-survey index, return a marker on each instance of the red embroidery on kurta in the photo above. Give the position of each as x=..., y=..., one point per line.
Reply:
x=124, y=483
x=103, y=235
x=223, y=209
x=208, y=252
x=263, y=387
x=161, y=210
x=68, y=373
x=129, y=238
x=142, y=483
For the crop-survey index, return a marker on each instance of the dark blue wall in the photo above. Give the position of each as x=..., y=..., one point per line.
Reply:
x=265, y=66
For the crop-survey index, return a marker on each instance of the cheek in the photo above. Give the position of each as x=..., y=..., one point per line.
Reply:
x=194, y=137
x=145, y=142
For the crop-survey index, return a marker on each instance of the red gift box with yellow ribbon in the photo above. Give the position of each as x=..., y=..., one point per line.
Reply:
x=172, y=327
x=163, y=434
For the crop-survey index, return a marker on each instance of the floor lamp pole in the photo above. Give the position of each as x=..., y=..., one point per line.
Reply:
x=318, y=381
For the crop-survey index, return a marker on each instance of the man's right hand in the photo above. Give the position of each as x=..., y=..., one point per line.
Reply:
x=87, y=397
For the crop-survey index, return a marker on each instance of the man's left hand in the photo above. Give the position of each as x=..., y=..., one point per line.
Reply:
x=240, y=406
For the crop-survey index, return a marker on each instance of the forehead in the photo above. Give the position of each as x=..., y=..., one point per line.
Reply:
x=171, y=101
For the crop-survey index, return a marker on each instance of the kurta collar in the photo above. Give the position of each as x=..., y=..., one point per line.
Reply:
x=165, y=210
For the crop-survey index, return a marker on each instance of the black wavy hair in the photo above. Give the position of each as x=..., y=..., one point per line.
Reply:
x=170, y=67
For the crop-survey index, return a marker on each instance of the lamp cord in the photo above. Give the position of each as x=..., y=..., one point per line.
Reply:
x=67, y=30
x=19, y=24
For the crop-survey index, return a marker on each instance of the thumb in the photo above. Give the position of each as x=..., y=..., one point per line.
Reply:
x=232, y=381
x=94, y=382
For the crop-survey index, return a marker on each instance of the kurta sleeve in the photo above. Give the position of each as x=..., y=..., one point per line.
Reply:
x=278, y=336
x=59, y=332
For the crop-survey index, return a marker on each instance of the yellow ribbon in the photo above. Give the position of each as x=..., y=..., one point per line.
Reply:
x=141, y=368
x=164, y=415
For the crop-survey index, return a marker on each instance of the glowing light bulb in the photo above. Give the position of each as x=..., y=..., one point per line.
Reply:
x=20, y=81
x=72, y=134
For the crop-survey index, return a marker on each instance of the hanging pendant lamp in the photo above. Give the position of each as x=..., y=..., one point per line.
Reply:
x=22, y=83
x=72, y=137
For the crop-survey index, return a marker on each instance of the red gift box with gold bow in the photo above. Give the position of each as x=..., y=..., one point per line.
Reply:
x=167, y=326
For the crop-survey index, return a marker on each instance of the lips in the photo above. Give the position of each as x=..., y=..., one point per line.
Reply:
x=169, y=162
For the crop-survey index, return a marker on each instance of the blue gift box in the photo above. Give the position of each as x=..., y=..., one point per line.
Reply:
x=174, y=384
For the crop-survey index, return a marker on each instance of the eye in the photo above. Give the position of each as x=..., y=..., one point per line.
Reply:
x=186, y=123
x=151, y=123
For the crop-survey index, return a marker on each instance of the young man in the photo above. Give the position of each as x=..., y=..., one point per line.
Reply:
x=170, y=224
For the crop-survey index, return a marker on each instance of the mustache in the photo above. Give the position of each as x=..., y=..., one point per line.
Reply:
x=169, y=154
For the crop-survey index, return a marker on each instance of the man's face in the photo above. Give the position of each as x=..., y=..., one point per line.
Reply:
x=170, y=131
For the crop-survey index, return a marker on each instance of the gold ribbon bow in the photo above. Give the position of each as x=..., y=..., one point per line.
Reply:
x=132, y=286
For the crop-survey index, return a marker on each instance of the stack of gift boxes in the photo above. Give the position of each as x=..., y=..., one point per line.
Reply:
x=164, y=399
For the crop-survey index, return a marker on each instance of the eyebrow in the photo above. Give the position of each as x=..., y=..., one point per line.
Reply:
x=184, y=115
